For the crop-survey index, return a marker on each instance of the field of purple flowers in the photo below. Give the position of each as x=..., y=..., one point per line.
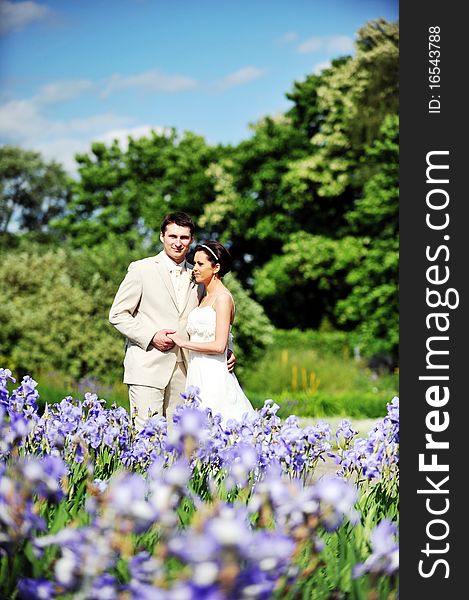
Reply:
x=92, y=509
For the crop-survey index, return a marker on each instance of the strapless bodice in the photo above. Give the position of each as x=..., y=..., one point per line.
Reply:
x=201, y=324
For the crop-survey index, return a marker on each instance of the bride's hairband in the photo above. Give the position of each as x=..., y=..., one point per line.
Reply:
x=211, y=252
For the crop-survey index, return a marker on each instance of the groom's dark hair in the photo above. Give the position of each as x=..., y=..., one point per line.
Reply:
x=180, y=219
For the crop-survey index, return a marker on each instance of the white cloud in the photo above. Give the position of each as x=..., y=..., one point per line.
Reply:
x=156, y=81
x=241, y=77
x=152, y=81
x=30, y=122
x=340, y=43
x=19, y=119
x=15, y=16
x=24, y=119
x=64, y=149
x=122, y=135
x=318, y=67
x=311, y=45
x=61, y=91
x=24, y=123
x=287, y=38
x=337, y=43
x=88, y=125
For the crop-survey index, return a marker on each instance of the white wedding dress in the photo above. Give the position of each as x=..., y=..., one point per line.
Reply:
x=219, y=389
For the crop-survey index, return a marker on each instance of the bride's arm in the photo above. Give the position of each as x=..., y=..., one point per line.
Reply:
x=222, y=330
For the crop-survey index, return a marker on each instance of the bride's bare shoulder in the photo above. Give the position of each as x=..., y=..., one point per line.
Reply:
x=224, y=298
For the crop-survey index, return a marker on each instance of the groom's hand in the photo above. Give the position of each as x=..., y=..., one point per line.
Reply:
x=231, y=360
x=161, y=341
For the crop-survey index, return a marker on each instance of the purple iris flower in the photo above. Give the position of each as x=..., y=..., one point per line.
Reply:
x=144, y=568
x=5, y=377
x=127, y=506
x=384, y=557
x=45, y=475
x=344, y=429
x=36, y=589
x=105, y=587
x=337, y=500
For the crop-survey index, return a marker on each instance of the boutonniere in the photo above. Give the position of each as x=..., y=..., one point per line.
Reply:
x=193, y=279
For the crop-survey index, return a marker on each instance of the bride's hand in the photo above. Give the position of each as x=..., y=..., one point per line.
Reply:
x=176, y=339
x=230, y=363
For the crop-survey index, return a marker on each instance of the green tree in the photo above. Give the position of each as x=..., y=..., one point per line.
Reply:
x=32, y=191
x=358, y=271
x=307, y=113
x=251, y=209
x=353, y=97
x=126, y=193
x=372, y=306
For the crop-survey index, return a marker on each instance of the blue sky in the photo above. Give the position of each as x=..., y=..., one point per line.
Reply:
x=74, y=71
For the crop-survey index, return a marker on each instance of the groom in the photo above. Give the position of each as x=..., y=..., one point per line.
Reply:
x=154, y=299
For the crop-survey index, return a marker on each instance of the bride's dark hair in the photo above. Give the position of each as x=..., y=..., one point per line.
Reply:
x=216, y=253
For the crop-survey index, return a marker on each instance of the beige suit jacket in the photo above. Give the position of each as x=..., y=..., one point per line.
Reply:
x=145, y=303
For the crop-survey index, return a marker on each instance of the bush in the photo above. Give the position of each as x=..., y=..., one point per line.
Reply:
x=50, y=321
x=252, y=331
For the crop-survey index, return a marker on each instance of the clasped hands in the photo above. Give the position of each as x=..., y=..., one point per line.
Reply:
x=163, y=342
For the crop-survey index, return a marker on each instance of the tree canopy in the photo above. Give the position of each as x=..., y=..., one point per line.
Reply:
x=32, y=191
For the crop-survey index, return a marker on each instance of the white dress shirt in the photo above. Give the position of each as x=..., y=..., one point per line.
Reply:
x=177, y=272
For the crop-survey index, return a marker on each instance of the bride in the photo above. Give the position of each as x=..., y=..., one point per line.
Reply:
x=209, y=329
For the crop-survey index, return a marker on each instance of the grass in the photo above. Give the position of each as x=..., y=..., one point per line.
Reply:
x=350, y=404
x=307, y=383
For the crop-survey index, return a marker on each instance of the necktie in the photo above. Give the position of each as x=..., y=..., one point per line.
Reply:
x=176, y=276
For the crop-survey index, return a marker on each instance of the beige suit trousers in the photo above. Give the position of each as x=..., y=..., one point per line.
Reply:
x=145, y=401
